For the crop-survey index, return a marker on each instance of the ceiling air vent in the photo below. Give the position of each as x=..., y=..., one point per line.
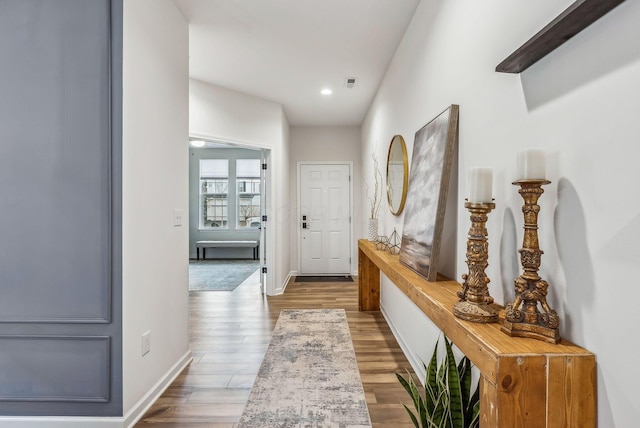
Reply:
x=350, y=82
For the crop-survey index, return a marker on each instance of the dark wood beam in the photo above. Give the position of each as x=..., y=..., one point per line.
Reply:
x=574, y=19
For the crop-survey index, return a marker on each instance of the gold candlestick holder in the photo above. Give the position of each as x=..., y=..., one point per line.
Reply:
x=530, y=315
x=475, y=302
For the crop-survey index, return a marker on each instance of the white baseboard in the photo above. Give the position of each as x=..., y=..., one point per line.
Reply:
x=141, y=407
x=101, y=422
x=283, y=286
x=416, y=363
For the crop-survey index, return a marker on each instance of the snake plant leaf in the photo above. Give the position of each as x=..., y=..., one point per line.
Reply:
x=404, y=383
x=441, y=376
x=447, y=402
x=475, y=412
x=411, y=415
x=472, y=407
x=464, y=373
x=418, y=403
x=407, y=386
x=415, y=395
x=431, y=383
x=439, y=412
x=455, y=393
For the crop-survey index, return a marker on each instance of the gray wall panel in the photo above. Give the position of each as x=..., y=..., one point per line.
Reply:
x=61, y=200
x=55, y=160
x=54, y=368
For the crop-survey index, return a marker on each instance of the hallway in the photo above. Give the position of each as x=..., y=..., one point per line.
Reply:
x=229, y=335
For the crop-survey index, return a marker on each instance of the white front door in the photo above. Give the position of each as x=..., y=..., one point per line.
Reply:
x=325, y=216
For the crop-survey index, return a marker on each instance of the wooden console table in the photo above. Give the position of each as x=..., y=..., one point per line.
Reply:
x=524, y=382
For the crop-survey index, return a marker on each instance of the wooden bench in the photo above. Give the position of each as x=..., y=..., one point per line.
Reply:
x=227, y=244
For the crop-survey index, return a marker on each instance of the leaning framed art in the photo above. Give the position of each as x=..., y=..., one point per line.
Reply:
x=433, y=152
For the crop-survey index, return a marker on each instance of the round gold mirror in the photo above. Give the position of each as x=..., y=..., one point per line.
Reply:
x=397, y=174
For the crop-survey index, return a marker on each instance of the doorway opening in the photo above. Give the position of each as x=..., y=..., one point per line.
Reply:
x=227, y=216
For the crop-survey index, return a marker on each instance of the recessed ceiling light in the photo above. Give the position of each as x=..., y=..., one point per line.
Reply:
x=326, y=91
x=197, y=143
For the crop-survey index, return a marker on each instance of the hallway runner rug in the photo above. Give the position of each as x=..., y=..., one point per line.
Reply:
x=309, y=376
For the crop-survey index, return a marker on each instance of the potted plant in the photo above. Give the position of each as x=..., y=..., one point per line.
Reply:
x=446, y=401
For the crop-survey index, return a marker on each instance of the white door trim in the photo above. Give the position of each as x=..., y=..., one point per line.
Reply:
x=298, y=219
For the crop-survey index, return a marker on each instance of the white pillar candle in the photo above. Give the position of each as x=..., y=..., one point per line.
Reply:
x=531, y=164
x=480, y=184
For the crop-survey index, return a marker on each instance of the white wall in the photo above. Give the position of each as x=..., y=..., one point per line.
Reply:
x=581, y=104
x=155, y=181
x=285, y=212
x=220, y=114
x=325, y=143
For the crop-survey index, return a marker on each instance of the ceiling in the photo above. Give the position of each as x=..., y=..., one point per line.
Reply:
x=286, y=51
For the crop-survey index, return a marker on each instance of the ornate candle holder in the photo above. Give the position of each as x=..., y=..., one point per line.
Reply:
x=475, y=302
x=523, y=317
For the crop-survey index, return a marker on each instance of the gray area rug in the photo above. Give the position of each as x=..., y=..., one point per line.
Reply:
x=309, y=376
x=219, y=275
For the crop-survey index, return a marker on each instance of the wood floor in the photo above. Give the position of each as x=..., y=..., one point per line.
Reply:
x=230, y=332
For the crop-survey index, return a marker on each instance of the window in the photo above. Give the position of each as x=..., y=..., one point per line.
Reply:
x=248, y=185
x=214, y=189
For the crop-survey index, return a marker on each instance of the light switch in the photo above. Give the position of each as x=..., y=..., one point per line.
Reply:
x=177, y=217
x=146, y=342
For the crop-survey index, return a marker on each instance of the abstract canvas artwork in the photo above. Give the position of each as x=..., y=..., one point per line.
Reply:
x=433, y=151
